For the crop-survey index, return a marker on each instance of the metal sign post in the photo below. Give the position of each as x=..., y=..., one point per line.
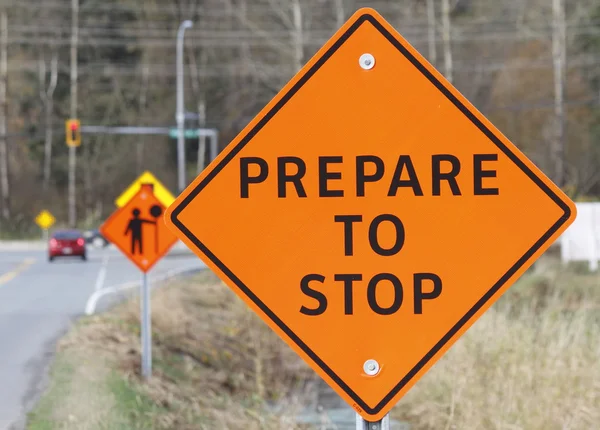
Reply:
x=383, y=424
x=210, y=133
x=138, y=231
x=146, y=332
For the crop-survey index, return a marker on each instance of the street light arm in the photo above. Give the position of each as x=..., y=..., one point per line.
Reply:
x=182, y=27
x=180, y=34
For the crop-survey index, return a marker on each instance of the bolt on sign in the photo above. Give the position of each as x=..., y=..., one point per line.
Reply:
x=45, y=220
x=160, y=191
x=138, y=229
x=370, y=214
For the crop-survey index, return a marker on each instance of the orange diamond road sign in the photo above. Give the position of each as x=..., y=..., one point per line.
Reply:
x=138, y=229
x=370, y=214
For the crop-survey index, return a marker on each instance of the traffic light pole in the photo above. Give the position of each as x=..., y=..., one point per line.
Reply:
x=72, y=201
x=73, y=139
x=72, y=149
x=210, y=133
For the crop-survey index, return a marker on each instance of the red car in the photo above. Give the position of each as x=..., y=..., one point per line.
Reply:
x=67, y=243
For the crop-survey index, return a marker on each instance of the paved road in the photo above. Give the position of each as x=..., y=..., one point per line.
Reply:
x=38, y=302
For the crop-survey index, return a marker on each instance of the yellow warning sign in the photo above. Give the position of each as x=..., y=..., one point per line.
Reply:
x=160, y=191
x=45, y=219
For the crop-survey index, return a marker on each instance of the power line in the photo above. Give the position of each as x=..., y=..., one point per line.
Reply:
x=384, y=7
x=250, y=39
x=231, y=69
x=147, y=29
x=211, y=14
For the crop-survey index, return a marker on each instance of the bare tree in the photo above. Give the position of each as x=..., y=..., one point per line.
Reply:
x=47, y=97
x=506, y=57
x=298, y=34
x=244, y=50
x=339, y=13
x=4, y=185
x=142, y=109
x=447, y=39
x=288, y=14
x=431, y=31
x=559, y=57
x=199, y=89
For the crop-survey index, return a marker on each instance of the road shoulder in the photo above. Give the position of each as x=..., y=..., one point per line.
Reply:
x=215, y=365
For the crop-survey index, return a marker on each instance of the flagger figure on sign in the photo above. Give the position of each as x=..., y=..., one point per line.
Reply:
x=135, y=229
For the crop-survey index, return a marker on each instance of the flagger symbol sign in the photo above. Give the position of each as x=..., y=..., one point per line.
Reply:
x=138, y=229
x=135, y=229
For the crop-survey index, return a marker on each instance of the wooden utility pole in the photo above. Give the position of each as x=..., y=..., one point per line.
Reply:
x=298, y=35
x=431, y=31
x=339, y=13
x=47, y=96
x=200, y=162
x=4, y=185
x=559, y=59
x=201, y=111
x=142, y=111
x=199, y=89
x=446, y=39
x=72, y=149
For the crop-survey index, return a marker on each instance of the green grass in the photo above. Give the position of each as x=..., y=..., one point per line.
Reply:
x=135, y=410
x=41, y=417
x=129, y=408
x=170, y=366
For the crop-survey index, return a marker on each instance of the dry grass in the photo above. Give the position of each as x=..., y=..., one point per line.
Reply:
x=531, y=362
x=229, y=361
x=215, y=365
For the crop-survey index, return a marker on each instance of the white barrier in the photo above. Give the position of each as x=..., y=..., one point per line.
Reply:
x=581, y=241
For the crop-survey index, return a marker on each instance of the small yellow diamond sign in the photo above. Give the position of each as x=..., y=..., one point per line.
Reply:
x=45, y=219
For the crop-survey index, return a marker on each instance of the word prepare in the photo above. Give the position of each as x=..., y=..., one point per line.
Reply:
x=369, y=169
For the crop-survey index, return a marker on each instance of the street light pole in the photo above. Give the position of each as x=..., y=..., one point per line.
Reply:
x=180, y=117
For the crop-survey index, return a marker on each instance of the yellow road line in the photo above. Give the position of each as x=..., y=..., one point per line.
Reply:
x=9, y=276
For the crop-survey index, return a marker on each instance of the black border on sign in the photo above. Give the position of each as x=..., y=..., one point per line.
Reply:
x=271, y=113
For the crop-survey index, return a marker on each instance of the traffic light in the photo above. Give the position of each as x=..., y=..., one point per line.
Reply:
x=73, y=132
